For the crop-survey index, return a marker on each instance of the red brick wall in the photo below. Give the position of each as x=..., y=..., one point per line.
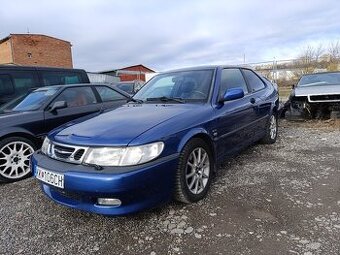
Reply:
x=5, y=52
x=40, y=50
x=132, y=77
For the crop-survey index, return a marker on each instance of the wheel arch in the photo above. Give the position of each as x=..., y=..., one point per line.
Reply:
x=26, y=135
x=201, y=134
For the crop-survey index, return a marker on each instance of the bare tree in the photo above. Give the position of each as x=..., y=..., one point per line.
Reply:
x=318, y=51
x=334, y=54
x=306, y=61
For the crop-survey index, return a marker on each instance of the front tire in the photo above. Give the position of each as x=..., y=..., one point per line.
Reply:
x=194, y=172
x=15, y=153
x=271, y=130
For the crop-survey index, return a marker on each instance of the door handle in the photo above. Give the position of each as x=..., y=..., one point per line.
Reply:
x=252, y=100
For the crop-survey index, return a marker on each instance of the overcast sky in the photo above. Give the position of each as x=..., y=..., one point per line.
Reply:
x=169, y=34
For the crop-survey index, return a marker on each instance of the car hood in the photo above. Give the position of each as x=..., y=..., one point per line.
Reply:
x=317, y=90
x=119, y=126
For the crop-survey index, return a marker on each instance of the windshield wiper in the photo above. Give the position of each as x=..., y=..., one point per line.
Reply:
x=131, y=99
x=166, y=99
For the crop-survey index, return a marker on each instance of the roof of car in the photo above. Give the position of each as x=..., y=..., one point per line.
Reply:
x=204, y=67
x=16, y=67
x=84, y=84
x=320, y=73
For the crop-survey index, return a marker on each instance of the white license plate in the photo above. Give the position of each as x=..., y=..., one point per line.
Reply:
x=50, y=177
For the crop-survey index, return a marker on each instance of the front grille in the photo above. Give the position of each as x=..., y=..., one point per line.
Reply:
x=325, y=98
x=79, y=153
x=66, y=152
x=62, y=151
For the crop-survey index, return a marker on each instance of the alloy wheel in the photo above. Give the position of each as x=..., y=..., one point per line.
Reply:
x=197, y=170
x=15, y=159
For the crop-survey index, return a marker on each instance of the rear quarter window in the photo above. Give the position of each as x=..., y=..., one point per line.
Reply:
x=108, y=94
x=254, y=82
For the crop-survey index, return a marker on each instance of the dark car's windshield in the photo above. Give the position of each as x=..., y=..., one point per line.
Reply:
x=184, y=85
x=320, y=79
x=29, y=102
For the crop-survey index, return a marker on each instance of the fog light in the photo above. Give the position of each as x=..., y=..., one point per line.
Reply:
x=109, y=201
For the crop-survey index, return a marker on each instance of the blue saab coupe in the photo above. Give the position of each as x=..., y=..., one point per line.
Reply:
x=165, y=143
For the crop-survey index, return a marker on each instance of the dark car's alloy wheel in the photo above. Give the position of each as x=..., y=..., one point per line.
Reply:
x=194, y=172
x=15, y=156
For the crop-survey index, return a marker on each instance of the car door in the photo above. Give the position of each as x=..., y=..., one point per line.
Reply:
x=110, y=97
x=261, y=106
x=81, y=101
x=233, y=117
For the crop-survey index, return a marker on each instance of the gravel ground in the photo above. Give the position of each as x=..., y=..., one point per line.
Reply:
x=272, y=199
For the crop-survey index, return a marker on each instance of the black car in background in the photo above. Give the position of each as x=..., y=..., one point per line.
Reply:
x=18, y=80
x=26, y=120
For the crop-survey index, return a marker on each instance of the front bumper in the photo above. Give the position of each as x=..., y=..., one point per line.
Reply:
x=138, y=188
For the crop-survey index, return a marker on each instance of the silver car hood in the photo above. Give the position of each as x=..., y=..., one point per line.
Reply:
x=317, y=90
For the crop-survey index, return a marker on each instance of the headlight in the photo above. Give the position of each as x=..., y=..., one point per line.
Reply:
x=127, y=156
x=46, y=146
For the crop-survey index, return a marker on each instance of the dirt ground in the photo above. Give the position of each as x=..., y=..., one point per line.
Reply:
x=271, y=199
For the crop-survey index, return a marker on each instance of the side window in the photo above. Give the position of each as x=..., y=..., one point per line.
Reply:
x=23, y=82
x=60, y=78
x=254, y=81
x=232, y=78
x=6, y=85
x=79, y=96
x=108, y=94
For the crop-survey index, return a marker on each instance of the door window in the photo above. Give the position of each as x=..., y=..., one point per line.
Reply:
x=6, y=85
x=232, y=78
x=254, y=81
x=78, y=96
x=107, y=94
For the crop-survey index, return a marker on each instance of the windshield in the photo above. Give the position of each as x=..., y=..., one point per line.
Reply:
x=320, y=79
x=31, y=101
x=186, y=85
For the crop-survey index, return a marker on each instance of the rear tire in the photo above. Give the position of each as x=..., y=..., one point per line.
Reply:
x=194, y=172
x=271, y=130
x=15, y=153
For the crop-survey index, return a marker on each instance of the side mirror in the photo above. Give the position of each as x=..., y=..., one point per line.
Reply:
x=58, y=105
x=293, y=86
x=232, y=94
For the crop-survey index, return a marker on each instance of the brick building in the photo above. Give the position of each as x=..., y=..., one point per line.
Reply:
x=35, y=50
x=131, y=73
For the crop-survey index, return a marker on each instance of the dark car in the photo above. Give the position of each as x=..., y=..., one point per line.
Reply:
x=166, y=144
x=18, y=80
x=26, y=120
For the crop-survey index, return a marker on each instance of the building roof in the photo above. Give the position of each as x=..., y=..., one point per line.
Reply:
x=10, y=35
x=128, y=67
